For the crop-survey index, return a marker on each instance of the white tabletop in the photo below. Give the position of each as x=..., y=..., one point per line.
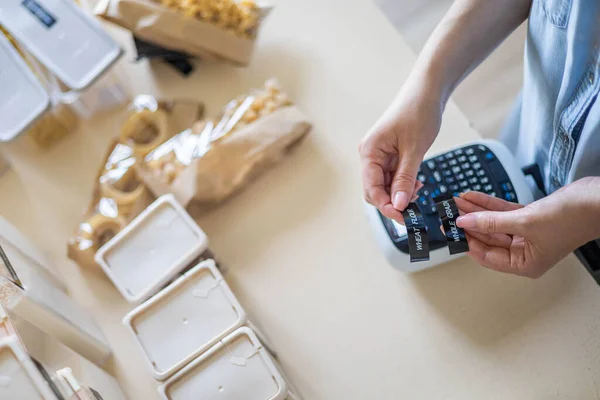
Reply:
x=301, y=256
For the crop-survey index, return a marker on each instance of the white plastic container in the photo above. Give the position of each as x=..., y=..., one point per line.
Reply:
x=23, y=99
x=56, y=356
x=55, y=313
x=26, y=258
x=20, y=379
x=238, y=367
x=70, y=43
x=185, y=319
x=152, y=250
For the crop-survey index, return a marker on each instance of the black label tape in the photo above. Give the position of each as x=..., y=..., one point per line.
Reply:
x=448, y=212
x=43, y=15
x=418, y=240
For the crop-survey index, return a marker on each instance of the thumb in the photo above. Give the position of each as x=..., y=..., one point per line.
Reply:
x=489, y=222
x=403, y=184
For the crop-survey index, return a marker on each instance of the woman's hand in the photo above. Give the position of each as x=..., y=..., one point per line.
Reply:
x=528, y=241
x=394, y=148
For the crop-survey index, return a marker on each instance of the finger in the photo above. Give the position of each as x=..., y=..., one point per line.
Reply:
x=494, y=240
x=418, y=186
x=467, y=207
x=489, y=202
x=489, y=222
x=403, y=183
x=375, y=193
x=495, y=258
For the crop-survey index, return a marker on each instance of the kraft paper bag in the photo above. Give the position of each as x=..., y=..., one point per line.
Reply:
x=173, y=30
x=212, y=171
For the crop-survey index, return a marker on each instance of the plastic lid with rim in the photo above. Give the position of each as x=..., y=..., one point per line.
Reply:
x=185, y=319
x=23, y=99
x=149, y=252
x=236, y=368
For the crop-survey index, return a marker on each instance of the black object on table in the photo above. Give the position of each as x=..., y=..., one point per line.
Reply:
x=182, y=62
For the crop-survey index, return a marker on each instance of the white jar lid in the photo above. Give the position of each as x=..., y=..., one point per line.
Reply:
x=238, y=367
x=19, y=377
x=149, y=252
x=69, y=42
x=23, y=99
x=185, y=319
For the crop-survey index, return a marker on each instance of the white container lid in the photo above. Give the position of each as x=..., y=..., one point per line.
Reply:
x=185, y=319
x=70, y=43
x=236, y=368
x=22, y=98
x=149, y=252
x=19, y=377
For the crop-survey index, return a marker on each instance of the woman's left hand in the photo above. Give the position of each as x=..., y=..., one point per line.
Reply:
x=529, y=240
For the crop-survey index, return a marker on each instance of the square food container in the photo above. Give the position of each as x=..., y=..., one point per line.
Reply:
x=238, y=367
x=185, y=319
x=20, y=377
x=23, y=99
x=69, y=42
x=152, y=250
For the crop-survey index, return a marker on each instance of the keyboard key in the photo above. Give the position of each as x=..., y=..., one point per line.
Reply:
x=431, y=164
x=466, y=166
x=447, y=173
x=476, y=188
x=481, y=172
x=452, y=163
x=436, y=192
x=462, y=159
x=456, y=194
x=464, y=184
x=492, y=194
x=456, y=169
x=432, y=180
x=444, y=165
x=437, y=176
x=470, y=173
x=489, y=156
x=423, y=202
x=454, y=187
x=449, y=156
x=473, y=158
x=506, y=186
x=473, y=180
x=422, y=178
x=460, y=176
x=458, y=152
x=510, y=196
x=482, y=148
x=469, y=151
x=440, y=159
x=450, y=179
x=443, y=189
x=488, y=188
x=484, y=180
x=477, y=166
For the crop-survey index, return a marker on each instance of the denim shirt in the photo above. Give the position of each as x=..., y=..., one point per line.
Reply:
x=556, y=119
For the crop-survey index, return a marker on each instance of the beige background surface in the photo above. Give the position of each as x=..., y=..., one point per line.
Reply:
x=300, y=252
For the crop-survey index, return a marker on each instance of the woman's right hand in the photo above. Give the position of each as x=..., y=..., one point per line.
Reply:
x=394, y=148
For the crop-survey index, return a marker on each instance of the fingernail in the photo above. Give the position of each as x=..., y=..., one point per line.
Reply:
x=400, y=200
x=467, y=221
